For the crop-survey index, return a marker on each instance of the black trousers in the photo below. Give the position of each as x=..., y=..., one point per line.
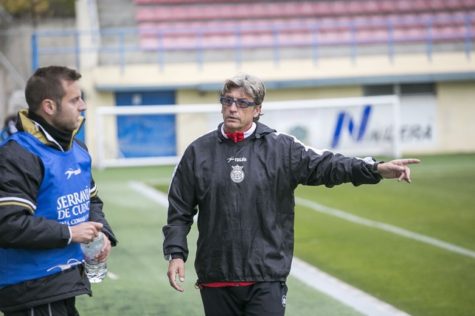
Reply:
x=259, y=299
x=60, y=308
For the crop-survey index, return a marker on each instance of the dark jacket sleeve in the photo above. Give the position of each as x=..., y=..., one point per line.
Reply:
x=21, y=174
x=96, y=214
x=181, y=209
x=312, y=167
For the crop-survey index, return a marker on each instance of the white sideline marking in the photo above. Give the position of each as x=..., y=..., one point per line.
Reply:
x=112, y=276
x=149, y=192
x=343, y=292
x=331, y=286
x=386, y=227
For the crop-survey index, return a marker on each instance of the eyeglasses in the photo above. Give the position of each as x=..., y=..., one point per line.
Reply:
x=240, y=103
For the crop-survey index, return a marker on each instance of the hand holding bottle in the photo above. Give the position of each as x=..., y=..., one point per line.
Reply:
x=85, y=232
x=95, y=257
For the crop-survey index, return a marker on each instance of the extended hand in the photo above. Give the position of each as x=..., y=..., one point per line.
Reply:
x=176, y=268
x=397, y=168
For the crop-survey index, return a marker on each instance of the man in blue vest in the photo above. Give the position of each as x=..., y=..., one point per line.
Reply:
x=48, y=201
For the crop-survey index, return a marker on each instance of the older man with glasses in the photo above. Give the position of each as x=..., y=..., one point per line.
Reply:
x=241, y=177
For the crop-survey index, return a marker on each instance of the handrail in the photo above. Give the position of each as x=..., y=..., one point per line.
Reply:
x=352, y=34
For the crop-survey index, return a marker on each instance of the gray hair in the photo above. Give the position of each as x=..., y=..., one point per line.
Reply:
x=252, y=86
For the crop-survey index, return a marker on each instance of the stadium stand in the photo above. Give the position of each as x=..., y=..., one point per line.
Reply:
x=191, y=24
x=304, y=49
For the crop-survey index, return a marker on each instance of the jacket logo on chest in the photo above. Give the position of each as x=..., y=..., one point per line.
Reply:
x=237, y=175
x=236, y=159
x=70, y=172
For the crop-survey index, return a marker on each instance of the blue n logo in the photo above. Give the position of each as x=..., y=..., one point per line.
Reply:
x=345, y=118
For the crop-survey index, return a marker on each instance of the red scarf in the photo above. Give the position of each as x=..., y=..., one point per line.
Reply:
x=236, y=136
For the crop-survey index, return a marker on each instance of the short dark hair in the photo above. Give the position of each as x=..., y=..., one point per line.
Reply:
x=46, y=83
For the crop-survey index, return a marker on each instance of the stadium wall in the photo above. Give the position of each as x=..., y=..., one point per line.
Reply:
x=15, y=47
x=456, y=110
x=452, y=73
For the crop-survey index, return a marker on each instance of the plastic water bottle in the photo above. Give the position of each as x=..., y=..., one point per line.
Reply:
x=95, y=270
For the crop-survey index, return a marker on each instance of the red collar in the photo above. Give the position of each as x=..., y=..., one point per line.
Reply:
x=236, y=136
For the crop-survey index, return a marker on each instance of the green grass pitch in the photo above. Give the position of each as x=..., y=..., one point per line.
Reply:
x=415, y=277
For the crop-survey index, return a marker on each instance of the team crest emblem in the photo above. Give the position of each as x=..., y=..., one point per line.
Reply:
x=237, y=175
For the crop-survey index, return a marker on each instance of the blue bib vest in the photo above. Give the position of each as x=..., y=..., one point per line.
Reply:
x=63, y=196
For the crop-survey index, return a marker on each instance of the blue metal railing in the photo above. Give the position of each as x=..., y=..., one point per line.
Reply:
x=352, y=35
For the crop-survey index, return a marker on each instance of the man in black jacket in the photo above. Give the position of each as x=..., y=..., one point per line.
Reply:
x=48, y=201
x=241, y=177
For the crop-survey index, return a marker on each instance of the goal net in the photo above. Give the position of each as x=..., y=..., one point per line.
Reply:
x=352, y=126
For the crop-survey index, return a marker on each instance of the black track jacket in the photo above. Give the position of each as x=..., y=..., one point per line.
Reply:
x=245, y=196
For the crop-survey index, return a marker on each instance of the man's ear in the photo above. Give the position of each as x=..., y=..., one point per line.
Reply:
x=257, y=111
x=48, y=106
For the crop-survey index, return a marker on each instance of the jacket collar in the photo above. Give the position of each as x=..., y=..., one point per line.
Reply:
x=261, y=131
x=27, y=125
